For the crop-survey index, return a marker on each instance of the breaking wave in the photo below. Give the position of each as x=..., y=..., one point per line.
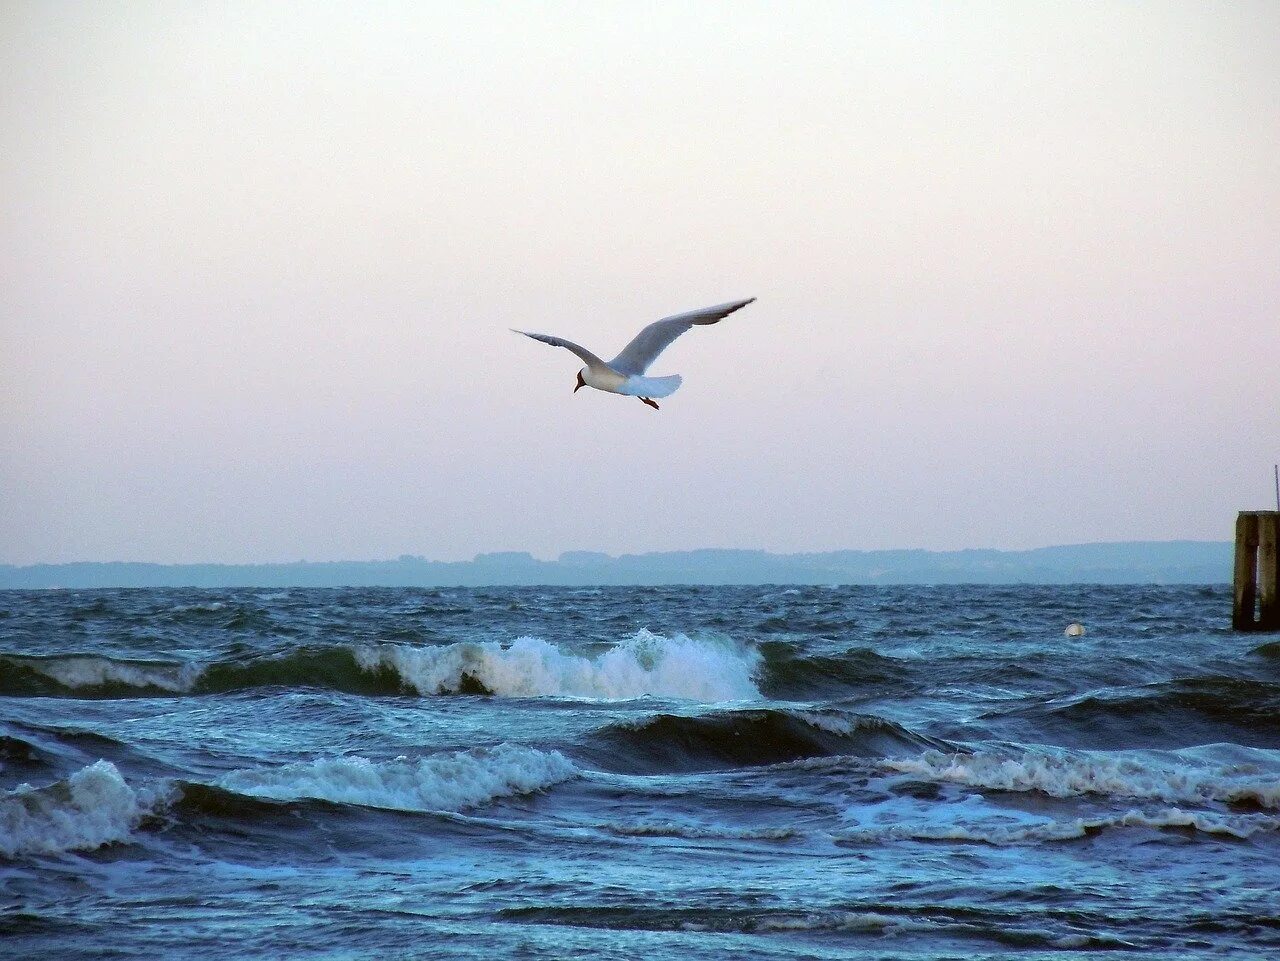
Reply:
x=91, y=674
x=96, y=806
x=1077, y=775
x=92, y=807
x=440, y=782
x=643, y=665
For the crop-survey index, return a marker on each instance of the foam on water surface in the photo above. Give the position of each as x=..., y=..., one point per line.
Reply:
x=92, y=807
x=645, y=664
x=769, y=772
x=442, y=782
x=1070, y=775
x=89, y=671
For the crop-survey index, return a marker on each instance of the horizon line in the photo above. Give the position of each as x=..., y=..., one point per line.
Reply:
x=513, y=554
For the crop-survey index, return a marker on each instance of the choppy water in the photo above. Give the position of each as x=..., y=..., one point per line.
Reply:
x=620, y=773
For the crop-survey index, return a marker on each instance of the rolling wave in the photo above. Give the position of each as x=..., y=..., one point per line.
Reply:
x=749, y=738
x=95, y=806
x=92, y=807
x=1178, y=712
x=697, y=832
x=440, y=782
x=1074, y=775
x=645, y=664
x=15, y=751
x=891, y=919
x=27, y=675
x=91, y=676
x=735, y=921
x=791, y=673
x=1043, y=831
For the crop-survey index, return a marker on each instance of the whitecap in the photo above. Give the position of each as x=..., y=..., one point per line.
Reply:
x=1084, y=774
x=87, y=671
x=93, y=807
x=644, y=664
x=440, y=782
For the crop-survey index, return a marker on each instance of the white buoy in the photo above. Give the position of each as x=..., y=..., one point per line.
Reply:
x=1074, y=630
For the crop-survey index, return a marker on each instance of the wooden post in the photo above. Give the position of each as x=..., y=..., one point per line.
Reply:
x=1268, y=582
x=1256, y=605
x=1246, y=576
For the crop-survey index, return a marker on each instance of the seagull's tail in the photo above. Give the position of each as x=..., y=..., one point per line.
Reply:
x=651, y=386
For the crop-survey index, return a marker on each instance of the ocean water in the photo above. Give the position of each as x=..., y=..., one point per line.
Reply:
x=676, y=772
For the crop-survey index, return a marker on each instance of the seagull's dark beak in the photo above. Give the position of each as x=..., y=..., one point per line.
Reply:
x=581, y=383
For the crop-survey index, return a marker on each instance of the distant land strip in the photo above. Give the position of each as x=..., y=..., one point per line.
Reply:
x=1134, y=562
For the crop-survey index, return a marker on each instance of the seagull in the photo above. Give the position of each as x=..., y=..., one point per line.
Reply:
x=625, y=373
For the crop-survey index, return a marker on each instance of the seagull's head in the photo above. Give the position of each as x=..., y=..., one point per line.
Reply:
x=581, y=382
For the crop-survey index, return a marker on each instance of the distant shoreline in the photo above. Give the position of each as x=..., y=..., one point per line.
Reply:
x=1130, y=562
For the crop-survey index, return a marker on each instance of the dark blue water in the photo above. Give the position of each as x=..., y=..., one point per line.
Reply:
x=620, y=773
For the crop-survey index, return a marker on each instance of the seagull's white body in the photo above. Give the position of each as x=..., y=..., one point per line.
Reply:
x=608, y=379
x=625, y=374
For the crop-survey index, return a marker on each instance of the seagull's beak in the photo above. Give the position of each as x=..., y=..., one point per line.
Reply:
x=581, y=383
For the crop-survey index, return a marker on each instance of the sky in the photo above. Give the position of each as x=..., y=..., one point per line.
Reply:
x=1017, y=268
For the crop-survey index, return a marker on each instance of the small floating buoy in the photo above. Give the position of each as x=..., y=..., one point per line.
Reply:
x=1074, y=630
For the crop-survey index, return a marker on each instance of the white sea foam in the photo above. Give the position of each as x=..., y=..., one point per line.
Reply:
x=1045, y=829
x=1082, y=774
x=645, y=664
x=91, y=808
x=839, y=723
x=88, y=671
x=678, y=829
x=1240, y=826
x=208, y=606
x=441, y=782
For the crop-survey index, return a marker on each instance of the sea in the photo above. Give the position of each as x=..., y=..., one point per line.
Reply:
x=676, y=773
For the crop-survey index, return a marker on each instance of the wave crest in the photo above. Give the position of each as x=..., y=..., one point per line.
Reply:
x=92, y=807
x=644, y=664
x=91, y=674
x=440, y=782
x=1042, y=831
x=750, y=738
x=1068, y=776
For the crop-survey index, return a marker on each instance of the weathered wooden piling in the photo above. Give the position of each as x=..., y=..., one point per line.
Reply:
x=1257, y=578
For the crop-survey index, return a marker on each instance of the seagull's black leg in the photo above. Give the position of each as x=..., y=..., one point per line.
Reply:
x=650, y=402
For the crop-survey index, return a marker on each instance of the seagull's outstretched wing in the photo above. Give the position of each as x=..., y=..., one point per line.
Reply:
x=591, y=359
x=654, y=339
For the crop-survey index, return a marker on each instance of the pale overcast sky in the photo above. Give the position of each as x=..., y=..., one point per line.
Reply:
x=1018, y=269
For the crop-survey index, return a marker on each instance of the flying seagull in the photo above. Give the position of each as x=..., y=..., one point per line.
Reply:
x=625, y=373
